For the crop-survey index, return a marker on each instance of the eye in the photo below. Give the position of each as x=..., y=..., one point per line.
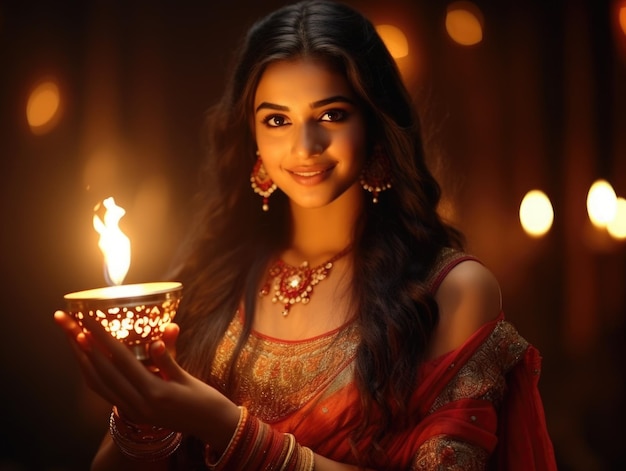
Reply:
x=334, y=115
x=275, y=121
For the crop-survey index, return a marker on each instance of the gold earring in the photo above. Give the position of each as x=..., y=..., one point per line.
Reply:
x=376, y=175
x=261, y=182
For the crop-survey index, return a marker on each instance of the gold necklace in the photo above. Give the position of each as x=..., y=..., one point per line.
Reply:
x=295, y=284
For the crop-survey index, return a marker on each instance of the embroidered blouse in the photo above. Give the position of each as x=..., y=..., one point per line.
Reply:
x=306, y=388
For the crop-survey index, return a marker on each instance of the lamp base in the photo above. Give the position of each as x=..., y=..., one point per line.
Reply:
x=141, y=352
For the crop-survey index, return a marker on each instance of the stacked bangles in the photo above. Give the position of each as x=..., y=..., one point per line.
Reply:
x=255, y=445
x=142, y=442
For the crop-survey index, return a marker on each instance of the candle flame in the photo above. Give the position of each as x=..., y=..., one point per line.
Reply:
x=113, y=243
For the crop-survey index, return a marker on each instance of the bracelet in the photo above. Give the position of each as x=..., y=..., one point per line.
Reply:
x=209, y=458
x=256, y=446
x=142, y=442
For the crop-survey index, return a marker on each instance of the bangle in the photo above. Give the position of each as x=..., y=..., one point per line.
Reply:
x=142, y=442
x=255, y=446
x=209, y=457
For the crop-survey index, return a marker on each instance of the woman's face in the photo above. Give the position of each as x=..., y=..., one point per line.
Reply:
x=310, y=131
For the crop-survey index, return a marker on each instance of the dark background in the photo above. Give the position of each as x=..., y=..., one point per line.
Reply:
x=540, y=103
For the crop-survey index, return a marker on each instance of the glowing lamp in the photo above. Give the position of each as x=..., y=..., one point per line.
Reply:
x=134, y=314
x=601, y=203
x=536, y=213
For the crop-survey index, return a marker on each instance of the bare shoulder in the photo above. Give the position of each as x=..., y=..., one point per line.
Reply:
x=468, y=297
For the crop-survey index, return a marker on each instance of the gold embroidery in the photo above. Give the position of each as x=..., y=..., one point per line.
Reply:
x=444, y=258
x=277, y=377
x=443, y=453
x=482, y=376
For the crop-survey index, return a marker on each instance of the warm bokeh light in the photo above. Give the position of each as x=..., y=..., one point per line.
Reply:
x=617, y=226
x=395, y=40
x=536, y=214
x=464, y=23
x=601, y=203
x=43, y=107
x=622, y=18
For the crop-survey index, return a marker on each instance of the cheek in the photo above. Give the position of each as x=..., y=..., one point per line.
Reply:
x=357, y=143
x=268, y=148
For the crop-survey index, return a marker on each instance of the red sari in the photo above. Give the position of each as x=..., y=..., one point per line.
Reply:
x=475, y=408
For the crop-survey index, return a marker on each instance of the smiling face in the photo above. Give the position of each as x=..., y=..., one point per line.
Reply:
x=310, y=131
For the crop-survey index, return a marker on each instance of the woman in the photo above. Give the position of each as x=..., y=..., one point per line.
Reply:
x=330, y=319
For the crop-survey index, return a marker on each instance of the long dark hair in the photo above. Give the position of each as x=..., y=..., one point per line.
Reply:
x=396, y=241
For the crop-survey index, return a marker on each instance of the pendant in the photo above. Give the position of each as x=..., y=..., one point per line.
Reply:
x=293, y=285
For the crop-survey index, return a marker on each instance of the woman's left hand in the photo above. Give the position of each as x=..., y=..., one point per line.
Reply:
x=173, y=398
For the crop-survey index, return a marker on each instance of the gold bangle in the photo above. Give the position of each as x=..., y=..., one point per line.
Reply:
x=144, y=447
x=208, y=455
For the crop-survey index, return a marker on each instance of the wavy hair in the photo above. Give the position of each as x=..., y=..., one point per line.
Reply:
x=396, y=241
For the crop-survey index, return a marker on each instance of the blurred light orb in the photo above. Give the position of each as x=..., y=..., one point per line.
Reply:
x=601, y=203
x=394, y=39
x=617, y=226
x=43, y=107
x=464, y=23
x=622, y=18
x=536, y=213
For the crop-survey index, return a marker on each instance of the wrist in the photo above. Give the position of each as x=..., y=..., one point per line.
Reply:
x=140, y=441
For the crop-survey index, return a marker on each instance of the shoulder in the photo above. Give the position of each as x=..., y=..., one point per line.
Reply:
x=468, y=296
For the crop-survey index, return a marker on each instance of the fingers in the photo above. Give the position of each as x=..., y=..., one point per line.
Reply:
x=108, y=366
x=111, y=370
x=170, y=336
x=67, y=323
x=163, y=359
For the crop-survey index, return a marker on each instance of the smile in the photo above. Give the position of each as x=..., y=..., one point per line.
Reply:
x=311, y=176
x=308, y=174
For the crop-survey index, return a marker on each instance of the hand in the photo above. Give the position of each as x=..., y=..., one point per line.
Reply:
x=173, y=399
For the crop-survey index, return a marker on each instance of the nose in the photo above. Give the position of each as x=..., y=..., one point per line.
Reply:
x=309, y=140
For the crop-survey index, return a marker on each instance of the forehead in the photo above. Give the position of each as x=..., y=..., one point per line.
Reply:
x=306, y=80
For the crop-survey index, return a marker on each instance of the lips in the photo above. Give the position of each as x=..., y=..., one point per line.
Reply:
x=310, y=175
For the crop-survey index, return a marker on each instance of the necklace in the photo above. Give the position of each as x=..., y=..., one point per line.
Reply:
x=295, y=284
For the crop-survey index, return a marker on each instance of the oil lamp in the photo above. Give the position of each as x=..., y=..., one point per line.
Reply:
x=135, y=314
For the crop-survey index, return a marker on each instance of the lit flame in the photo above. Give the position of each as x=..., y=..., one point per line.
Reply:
x=113, y=243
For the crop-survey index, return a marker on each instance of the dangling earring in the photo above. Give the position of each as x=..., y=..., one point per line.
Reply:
x=261, y=182
x=376, y=175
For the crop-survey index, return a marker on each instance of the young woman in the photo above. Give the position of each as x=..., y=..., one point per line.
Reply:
x=330, y=319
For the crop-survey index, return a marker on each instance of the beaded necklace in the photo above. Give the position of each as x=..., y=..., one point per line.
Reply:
x=293, y=285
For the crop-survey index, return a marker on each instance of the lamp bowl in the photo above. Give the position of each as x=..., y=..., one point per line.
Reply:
x=136, y=314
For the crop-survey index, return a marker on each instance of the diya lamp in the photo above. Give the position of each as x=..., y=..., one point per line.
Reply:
x=134, y=314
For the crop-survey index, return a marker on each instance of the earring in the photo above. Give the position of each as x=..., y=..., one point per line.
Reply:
x=261, y=182
x=376, y=176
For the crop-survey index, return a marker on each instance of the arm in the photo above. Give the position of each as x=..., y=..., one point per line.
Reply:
x=174, y=400
x=468, y=297
x=460, y=431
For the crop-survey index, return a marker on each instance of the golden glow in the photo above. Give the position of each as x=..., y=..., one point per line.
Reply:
x=395, y=40
x=43, y=107
x=622, y=18
x=617, y=226
x=113, y=243
x=601, y=203
x=464, y=23
x=536, y=214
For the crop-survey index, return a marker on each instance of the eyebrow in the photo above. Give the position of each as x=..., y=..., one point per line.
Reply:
x=315, y=104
